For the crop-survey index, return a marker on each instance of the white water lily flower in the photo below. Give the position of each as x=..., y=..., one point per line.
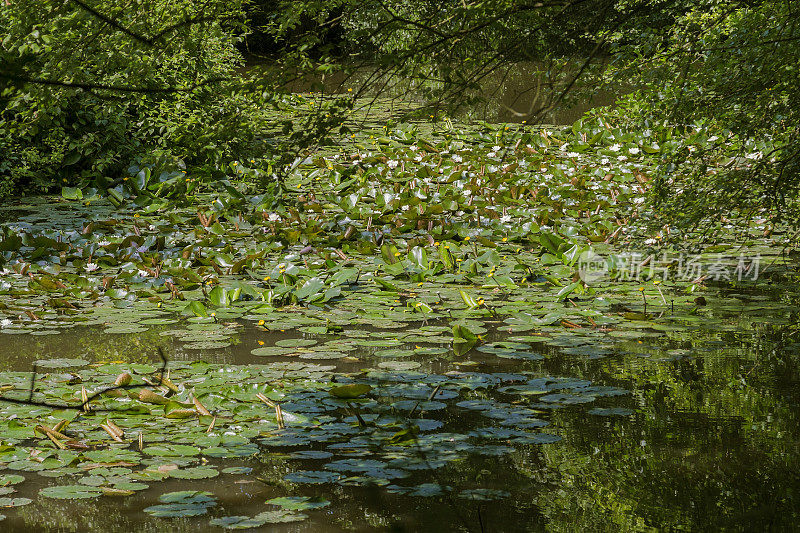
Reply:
x=622, y=158
x=91, y=267
x=392, y=163
x=274, y=217
x=457, y=158
x=5, y=323
x=413, y=147
x=615, y=147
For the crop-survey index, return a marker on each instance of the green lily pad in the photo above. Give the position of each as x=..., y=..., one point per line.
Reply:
x=10, y=479
x=200, y=472
x=299, y=503
x=295, y=343
x=61, y=363
x=71, y=492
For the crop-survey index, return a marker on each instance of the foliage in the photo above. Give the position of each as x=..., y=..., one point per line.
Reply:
x=83, y=97
x=723, y=78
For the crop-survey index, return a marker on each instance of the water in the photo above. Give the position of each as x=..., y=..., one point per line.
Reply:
x=710, y=442
x=525, y=92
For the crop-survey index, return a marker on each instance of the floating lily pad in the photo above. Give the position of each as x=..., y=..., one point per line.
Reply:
x=237, y=470
x=200, y=472
x=61, y=363
x=399, y=365
x=10, y=479
x=299, y=503
x=71, y=492
x=295, y=343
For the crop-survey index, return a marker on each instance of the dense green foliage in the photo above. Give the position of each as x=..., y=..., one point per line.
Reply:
x=86, y=90
x=724, y=73
x=83, y=99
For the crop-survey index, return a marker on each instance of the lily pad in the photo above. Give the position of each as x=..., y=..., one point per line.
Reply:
x=71, y=492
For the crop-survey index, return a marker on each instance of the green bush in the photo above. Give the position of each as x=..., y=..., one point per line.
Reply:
x=82, y=97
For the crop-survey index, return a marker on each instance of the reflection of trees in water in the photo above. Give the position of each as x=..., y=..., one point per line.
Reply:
x=509, y=93
x=18, y=352
x=712, y=445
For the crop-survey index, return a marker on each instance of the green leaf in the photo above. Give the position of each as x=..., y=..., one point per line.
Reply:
x=299, y=503
x=219, y=297
x=419, y=257
x=386, y=284
x=468, y=300
x=71, y=158
x=71, y=193
x=390, y=254
x=71, y=492
x=309, y=288
x=197, y=308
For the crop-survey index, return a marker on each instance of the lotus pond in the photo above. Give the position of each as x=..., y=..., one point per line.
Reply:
x=412, y=341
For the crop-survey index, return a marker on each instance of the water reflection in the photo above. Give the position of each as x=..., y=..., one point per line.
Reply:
x=532, y=92
x=712, y=442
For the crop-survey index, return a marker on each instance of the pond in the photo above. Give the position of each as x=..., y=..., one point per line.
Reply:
x=273, y=369
x=521, y=92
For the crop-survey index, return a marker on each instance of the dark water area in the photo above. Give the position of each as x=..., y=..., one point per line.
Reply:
x=708, y=437
x=524, y=92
